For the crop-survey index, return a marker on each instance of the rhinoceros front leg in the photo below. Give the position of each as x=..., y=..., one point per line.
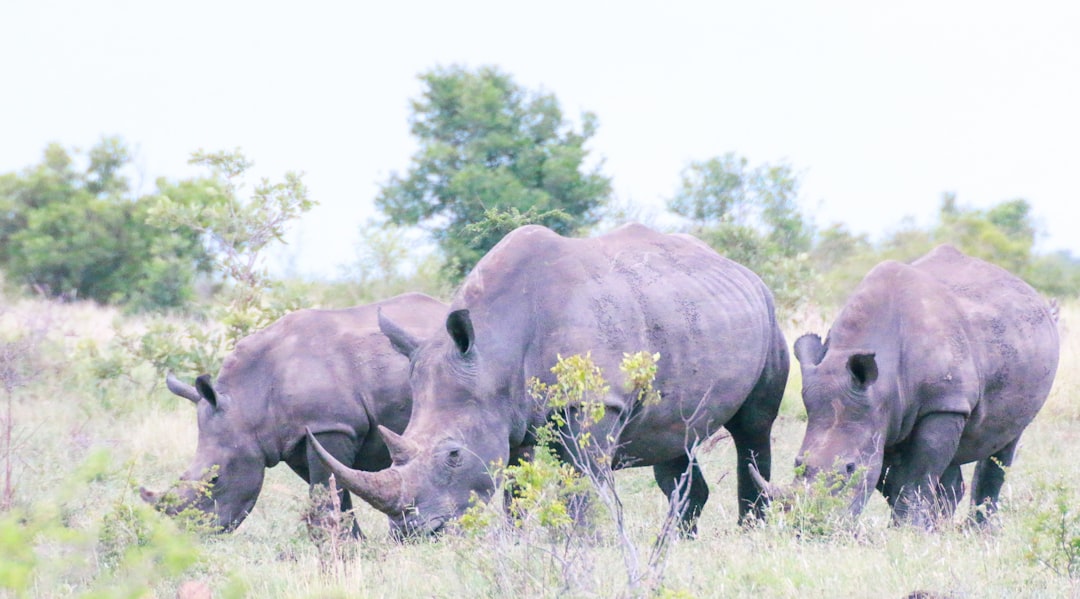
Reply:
x=751, y=428
x=323, y=516
x=692, y=498
x=989, y=476
x=915, y=478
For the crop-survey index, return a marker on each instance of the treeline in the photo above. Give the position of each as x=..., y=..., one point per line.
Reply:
x=492, y=156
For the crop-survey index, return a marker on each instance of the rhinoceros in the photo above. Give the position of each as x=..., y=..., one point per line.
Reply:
x=929, y=366
x=537, y=296
x=331, y=371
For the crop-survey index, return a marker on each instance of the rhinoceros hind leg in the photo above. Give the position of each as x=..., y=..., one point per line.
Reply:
x=343, y=448
x=693, y=497
x=987, y=481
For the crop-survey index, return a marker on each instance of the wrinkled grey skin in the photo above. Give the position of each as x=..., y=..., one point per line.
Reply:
x=537, y=295
x=929, y=366
x=331, y=371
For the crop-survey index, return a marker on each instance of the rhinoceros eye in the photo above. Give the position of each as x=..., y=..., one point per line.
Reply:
x=453, y=458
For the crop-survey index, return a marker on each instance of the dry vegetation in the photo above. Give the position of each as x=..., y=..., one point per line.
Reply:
x=79, y=446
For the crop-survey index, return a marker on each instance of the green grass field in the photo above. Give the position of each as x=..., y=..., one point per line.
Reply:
x=78, y=438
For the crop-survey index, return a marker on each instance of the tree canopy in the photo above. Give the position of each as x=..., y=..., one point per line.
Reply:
x=751, y=215
x=77, y=231
x=489, y=147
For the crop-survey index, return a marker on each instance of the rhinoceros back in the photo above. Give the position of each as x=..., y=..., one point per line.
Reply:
x=537, y=296
x=1012, y=333
x=319, y=367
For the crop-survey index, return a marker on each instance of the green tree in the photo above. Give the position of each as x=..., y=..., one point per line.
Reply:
x=751, y=215
x=236, y=229
x=487, y=144
x=388, y=262
x=835, y=245
x=1003, y=234
x=78, y=232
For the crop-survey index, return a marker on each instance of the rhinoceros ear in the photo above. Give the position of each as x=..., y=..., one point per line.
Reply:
x=863, y=369
x=206, y=390
x=459, y=325
x=808, y=350
x=402, y=341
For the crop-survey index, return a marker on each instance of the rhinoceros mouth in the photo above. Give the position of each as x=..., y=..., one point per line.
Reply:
x=415, y=527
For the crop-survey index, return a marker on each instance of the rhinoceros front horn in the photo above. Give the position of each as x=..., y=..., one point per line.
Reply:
x=381, y=489
x=149, y=496
x=768, y=489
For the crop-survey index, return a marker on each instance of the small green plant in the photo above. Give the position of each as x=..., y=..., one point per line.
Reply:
x=541, y=495
x=640, y=371
x=1054, y=538
x=579, y=388
x=542, y=490
x=821, y=509
x=550, y=503
x=579, y=418
x=44, y=545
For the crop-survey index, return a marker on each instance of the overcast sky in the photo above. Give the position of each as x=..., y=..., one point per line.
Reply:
x=882, y=108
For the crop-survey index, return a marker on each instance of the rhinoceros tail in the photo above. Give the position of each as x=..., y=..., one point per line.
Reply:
x=1055, y=309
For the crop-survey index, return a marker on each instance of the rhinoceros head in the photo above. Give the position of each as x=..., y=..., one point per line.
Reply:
x=226, y=475
x=455, y=434
x=845, y=422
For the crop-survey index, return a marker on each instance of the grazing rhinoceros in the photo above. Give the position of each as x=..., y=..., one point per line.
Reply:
x=536, y=296
x=331, y=371
x=929, y=366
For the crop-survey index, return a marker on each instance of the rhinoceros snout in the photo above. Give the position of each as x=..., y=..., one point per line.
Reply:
x=418, y=526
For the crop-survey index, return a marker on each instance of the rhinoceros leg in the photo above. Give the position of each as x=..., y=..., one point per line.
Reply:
x=750, y=429
x=989, y=476
x=668, y=475
x=753, y=449
x=343, y=448
x=917, y=474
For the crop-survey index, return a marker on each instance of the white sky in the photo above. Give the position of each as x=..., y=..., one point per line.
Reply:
x=882, y=108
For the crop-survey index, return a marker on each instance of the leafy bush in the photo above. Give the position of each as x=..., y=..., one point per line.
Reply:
x=1054, y=537
x=819, y=509
x=133, y=546
x=80, y=233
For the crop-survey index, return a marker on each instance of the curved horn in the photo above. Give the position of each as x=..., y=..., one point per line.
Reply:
x=768, y=489
x=401, y=449
x=181, y=388
x=381, y=489
x=149, y=496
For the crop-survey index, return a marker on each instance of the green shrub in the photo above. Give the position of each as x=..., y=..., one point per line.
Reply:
x=45, y=546
x=1054, y=524
x=818, y=509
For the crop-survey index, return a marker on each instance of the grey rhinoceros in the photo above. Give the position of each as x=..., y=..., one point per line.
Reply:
x=331, y=371
x=536, y=296
x=929, y=366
